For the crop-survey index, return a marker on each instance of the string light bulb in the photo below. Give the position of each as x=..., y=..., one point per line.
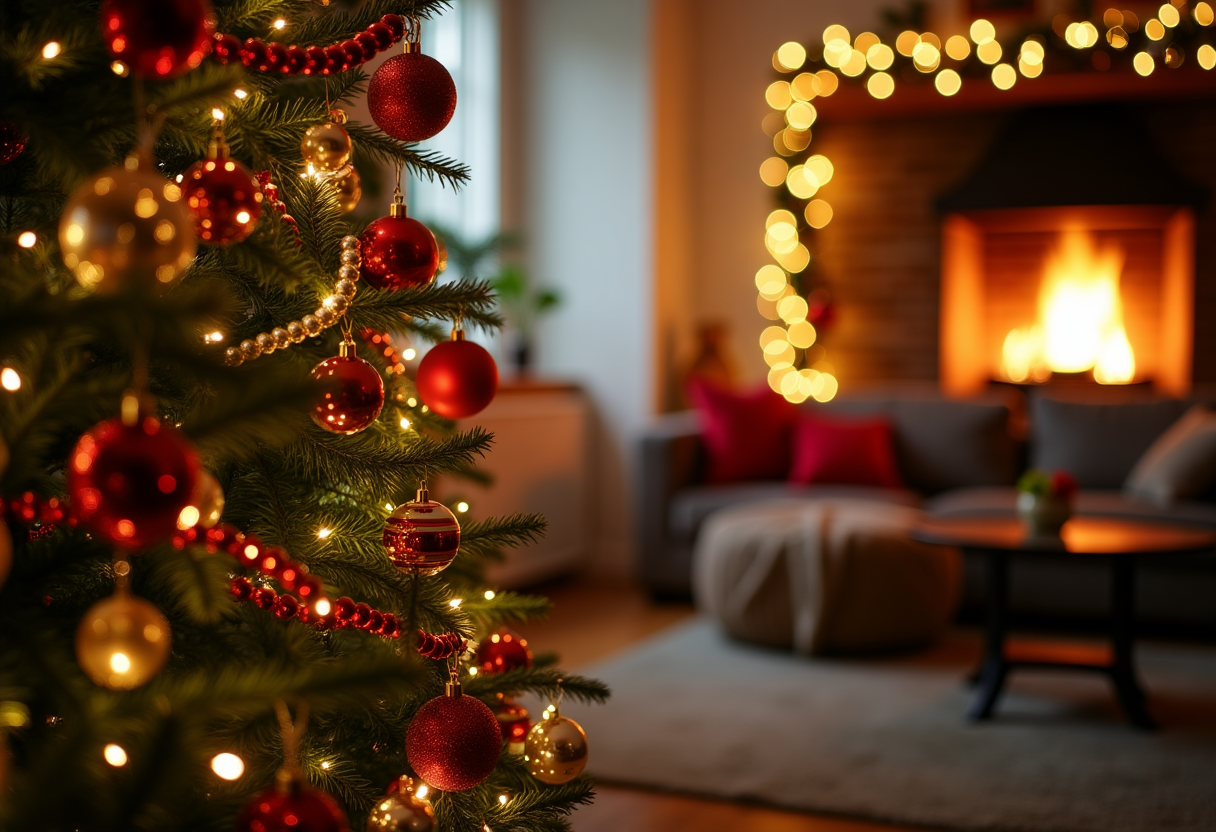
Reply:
x=51, y=50
x=27, y=239
x=115, y=755
x=10, y=380
x=227, y=766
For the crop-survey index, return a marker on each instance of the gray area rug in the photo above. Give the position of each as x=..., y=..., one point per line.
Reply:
x=885, y=739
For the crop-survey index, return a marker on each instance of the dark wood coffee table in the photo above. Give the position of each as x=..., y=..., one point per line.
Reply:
x=999, y=538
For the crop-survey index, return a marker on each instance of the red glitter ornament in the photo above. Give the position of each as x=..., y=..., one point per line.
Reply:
x=422, y=536
x=457, y=378
x=353, y=392
x=12, y=142
x=129, y=483
x=453, y=741
x=292, y=806
x=157, y=38
x=503, y=651
x=398, y=251
x=223, y=197
x=411, y=97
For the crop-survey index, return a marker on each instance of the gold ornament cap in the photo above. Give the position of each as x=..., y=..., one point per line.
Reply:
x=398, y=210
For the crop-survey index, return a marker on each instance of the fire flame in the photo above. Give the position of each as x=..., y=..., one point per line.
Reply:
x=1080, y=324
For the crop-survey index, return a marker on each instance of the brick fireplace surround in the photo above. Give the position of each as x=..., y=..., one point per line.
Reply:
x=899, y=164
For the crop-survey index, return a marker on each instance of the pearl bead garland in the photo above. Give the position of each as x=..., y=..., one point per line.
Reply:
x=326, y=315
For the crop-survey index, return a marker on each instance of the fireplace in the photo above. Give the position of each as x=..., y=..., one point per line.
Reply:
x=1100, y=291
x=1069, y=250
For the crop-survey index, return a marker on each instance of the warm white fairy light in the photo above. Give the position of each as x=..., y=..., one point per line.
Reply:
x=325, y=765
x=213, y=337
x=227, y=766
x=119, y=68
x=217, y=114
x=115, y=755
x=280, y=23
x=409, y=354
x=502, y=799
x=489, y=595
x=10, y=380
x=472, y=671
x=51, y=50
x=241, y=94
x=405, y=423
x=462, y=506
x=455, y=603
x=27, y=239
x=324, y=533
x=188, y=518
x=388, y=506
x=411, y=401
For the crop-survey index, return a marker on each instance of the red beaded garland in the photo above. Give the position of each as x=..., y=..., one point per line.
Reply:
x=157, y=38
x=411, y=97
x=224, y=200
x=453, y=742
x=129, y=483
x=312, y=60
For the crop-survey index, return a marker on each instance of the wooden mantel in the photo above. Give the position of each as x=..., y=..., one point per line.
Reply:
x=921, y=98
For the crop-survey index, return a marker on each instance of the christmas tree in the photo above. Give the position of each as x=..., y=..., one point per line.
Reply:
x=225, y=600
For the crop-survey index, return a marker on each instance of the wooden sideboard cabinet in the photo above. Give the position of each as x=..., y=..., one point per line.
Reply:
x=540, y=462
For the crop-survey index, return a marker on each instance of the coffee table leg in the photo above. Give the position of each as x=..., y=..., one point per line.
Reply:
x=1123, y=624
x=993, y=670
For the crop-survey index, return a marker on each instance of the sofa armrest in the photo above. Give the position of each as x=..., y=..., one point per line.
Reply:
x=671, y=458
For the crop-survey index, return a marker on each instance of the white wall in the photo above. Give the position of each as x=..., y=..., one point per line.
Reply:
x=584, y=141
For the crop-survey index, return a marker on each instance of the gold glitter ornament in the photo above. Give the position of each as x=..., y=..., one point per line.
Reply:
x=327, y=146
x=556, y=749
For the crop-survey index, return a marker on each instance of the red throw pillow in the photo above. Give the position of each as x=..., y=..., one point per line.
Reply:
x=844, y=452
x=747, y=434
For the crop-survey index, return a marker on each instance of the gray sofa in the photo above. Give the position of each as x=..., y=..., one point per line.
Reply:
x=960, y=457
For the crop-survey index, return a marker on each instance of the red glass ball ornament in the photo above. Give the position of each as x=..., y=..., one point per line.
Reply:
x=398, y=251
x=502, y=651
x=157, y=38
x=292, y=806
x=130, y=483
x=353, y=393
x=457, y=378
x=514, y=721
x=12, y=142
x=421, y=536
x=224, y=200
x=411, y=97
x=453, y=741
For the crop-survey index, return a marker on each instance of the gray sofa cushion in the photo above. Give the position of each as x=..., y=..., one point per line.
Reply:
x=1101, y=503
x=943, y=443
x=1097, y=443
x=691, y=506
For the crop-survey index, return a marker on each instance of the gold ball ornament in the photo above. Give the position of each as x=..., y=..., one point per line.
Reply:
x=126, y=224
x=122, y=641
x=402, y=811
x=327, y=146
x=556, y=749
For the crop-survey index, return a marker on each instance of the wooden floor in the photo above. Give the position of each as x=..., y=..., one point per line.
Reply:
x=591, y=621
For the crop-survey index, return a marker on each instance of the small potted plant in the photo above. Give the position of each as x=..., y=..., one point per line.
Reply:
x=1045, y=500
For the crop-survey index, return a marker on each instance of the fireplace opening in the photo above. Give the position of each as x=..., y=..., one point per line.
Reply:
x=1034, y=294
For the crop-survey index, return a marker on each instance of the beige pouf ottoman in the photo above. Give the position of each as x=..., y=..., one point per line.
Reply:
x=824, y=576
